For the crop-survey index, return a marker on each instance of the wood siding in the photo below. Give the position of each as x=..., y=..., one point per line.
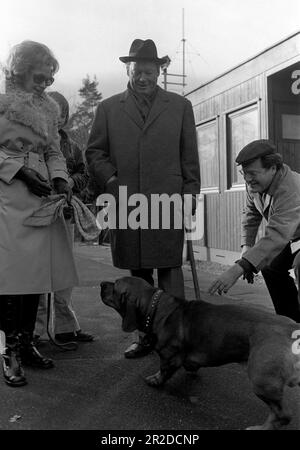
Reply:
x=239, y=95
x=223, y=210
x=240, y=87
x=223, y=220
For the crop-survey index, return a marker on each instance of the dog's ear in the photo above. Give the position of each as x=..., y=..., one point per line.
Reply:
x=129, y=322
x=127, y=304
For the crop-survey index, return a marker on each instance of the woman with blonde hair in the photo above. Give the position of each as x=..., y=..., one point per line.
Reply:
x=33, y=260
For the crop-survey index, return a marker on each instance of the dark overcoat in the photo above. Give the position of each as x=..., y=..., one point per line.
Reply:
x=155, y=157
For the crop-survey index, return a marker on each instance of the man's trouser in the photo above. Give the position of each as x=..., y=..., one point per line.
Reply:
x=168, y=279
x=281, y=285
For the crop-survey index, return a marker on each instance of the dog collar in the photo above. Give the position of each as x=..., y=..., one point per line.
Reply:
x=151, y=312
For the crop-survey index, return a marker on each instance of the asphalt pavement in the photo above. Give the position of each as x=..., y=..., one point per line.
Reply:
x=96, y=388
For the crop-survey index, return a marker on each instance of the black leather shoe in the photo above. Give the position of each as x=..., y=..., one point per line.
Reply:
x=78, y=336
x=138, y=349
x=30, y=356
x=83, y=337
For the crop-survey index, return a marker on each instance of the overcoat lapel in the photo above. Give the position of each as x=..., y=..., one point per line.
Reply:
x=258, y=203
x=131, y=110
x=267, y=202
x=159, y=105
x=262, y=203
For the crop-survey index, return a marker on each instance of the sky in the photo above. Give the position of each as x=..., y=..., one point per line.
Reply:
x=88, y=36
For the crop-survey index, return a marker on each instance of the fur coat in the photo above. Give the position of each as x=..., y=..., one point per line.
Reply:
x=32, y=260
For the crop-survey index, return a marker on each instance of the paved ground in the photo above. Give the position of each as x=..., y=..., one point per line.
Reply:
x=96, y=388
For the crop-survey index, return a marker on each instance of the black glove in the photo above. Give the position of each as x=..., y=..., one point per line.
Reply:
x=61, y=186
x=35, y=182
x=68, y=212
x=249, y=276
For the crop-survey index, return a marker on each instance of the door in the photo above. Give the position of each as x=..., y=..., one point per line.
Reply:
x=287, y=133
x=284, y=113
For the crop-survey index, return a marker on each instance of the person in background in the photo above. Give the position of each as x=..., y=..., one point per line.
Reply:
x=273, y=193
x=145, y=139
x=66, y=325
x=34, y=260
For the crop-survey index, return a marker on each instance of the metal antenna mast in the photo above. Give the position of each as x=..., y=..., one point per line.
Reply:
x=168, y=60
x=183, y=53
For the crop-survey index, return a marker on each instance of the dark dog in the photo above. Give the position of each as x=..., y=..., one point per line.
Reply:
x=196, y=334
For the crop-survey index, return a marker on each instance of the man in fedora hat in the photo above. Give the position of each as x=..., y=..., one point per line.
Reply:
x=144, y=139
x=273, y=193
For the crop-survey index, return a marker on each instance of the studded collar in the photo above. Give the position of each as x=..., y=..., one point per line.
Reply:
x=152, y=309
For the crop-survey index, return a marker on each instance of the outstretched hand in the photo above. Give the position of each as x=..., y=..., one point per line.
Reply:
x=224, y=282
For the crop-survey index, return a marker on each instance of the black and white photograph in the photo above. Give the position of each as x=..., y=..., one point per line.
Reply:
x=149, y=220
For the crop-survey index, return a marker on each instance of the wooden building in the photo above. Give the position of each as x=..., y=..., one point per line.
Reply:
x=259, y=98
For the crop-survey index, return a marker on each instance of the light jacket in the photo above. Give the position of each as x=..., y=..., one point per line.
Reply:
x=280, y=207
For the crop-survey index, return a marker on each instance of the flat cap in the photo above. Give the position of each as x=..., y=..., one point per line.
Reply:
x=255, y=149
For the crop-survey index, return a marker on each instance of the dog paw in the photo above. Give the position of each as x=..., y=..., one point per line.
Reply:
x=154, y=380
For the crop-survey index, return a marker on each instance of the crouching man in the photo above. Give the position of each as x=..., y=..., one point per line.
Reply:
x=273, y=193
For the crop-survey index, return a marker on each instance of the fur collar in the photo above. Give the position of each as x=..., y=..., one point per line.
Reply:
x=38, y=113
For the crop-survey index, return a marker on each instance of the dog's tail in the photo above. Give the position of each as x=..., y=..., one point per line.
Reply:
x=295, y=378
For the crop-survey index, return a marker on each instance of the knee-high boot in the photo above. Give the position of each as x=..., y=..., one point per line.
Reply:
x=30, y=355
x=9, y=319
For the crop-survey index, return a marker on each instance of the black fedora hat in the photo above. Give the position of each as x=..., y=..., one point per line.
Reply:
x=143, y=51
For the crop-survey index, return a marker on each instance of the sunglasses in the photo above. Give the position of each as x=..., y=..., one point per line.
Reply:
x=39, y=78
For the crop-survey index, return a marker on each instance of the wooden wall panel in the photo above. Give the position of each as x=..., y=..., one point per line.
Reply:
x=223, y=210
x=238, y=88
x=223, y=220
x=233, y=98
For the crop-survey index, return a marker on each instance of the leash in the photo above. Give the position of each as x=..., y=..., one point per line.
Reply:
x=152, y=309
x=67, y=346
x=191, y=258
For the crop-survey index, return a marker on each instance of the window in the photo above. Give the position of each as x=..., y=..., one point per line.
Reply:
x=208, y=154
x=242, y=128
